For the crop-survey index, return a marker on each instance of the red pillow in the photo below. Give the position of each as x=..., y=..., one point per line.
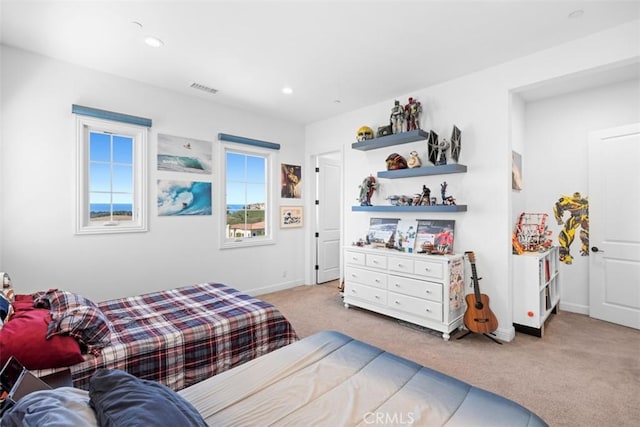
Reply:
x=24, y=338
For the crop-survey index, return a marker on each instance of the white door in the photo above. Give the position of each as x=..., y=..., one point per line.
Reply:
x=329, y=189
x=614, y=217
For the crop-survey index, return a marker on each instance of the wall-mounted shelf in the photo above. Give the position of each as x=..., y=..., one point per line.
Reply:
x=389, y=140
x=423, y=171
x=391, y=208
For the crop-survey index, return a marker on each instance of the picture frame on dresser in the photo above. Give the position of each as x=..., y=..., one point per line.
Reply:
x=382, y=231
x=435, y=236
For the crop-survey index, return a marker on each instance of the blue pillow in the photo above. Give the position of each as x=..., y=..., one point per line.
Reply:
x=120, y=399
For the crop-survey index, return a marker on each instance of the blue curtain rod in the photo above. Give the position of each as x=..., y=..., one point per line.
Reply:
x=248, y=141
x=110, y=115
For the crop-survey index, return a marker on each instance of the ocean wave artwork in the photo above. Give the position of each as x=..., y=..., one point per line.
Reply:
x=179, y=198
x=178, y=154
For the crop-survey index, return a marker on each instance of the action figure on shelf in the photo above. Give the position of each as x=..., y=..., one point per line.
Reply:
x=365, y=133
x=443, y=190
x=368, y=186
x=437, y=149
x=395, y=161
x=414, y=161
x=397, y=117
x=424, y=198
x=578, y=207
x=412, y=113
x=456, y=143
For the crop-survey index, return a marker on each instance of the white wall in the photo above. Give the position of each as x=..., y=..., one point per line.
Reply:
x=555, y=162
x=38, y=180
x=480, y=105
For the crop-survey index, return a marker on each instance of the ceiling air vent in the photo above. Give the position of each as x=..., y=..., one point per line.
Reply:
x=204, y=88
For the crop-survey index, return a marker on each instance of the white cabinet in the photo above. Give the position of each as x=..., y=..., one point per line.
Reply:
x=427, y=290
x=536, y=290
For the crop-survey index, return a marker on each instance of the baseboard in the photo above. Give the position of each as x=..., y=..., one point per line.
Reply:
x=274, y=288
x=505, y=334
x=574, y=308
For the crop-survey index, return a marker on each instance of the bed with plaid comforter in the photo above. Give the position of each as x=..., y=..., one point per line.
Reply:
x=182, y=336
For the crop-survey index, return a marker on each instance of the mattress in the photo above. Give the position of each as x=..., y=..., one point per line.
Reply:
x=330, y=379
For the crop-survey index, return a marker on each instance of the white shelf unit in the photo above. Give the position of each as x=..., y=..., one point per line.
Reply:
x=536, y=290
x=427, y=290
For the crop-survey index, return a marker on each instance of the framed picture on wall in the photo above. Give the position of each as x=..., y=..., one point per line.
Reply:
x=290, y=181
x=291, y=216
x=178, y=154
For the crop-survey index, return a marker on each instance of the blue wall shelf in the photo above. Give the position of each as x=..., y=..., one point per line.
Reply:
x=423, y=171
x=391, y=208
x=389, y=140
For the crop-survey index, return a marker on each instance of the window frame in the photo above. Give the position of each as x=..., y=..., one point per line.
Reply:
x=270, y=232
x=84, y=126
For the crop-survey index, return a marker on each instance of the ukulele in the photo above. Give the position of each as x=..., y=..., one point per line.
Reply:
x=478, y=318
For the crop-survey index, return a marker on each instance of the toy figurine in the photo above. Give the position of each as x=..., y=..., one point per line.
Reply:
x=446, y=200
x=385, y=130
x=423, y=199
x=397, y=117
x=414, y=161
x=365, y=133
x=368, y=186
x=456, y=143
x=412, y=114
x=443, y=190
x=396, y=161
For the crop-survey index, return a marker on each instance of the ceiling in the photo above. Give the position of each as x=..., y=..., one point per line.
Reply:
x=337, y=56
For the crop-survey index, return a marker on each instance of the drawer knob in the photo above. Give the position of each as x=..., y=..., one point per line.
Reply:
x=400, y=265
x=428, y=291
x=377, y=296
x=427, y=269
x=397, y=285
x=377, y=280
x=428, y=310
x=397, y=302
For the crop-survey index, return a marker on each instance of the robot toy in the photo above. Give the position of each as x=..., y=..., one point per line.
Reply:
x=578, y=208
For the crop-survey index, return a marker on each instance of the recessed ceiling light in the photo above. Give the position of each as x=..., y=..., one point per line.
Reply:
x=287, y=90
x=336, y=101
x=576, y=14
x=153, y=41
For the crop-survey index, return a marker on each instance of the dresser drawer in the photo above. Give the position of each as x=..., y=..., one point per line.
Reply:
x=366, y=293
x=356, y=258
x=431, y=269
x=417, y=288
x=401, y=265
x=366, y=277
x=416, y=306
x=376, y=261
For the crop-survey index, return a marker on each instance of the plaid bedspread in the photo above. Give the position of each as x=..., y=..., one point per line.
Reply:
x=185, y=335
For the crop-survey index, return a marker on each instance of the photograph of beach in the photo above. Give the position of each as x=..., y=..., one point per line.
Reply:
x=178, y=154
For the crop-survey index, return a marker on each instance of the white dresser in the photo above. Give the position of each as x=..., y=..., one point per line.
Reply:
x=427, y=290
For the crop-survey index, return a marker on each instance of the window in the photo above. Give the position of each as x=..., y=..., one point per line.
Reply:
x=111, y=181
x=247, y=201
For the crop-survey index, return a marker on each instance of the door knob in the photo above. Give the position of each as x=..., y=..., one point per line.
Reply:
x=595, y=249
